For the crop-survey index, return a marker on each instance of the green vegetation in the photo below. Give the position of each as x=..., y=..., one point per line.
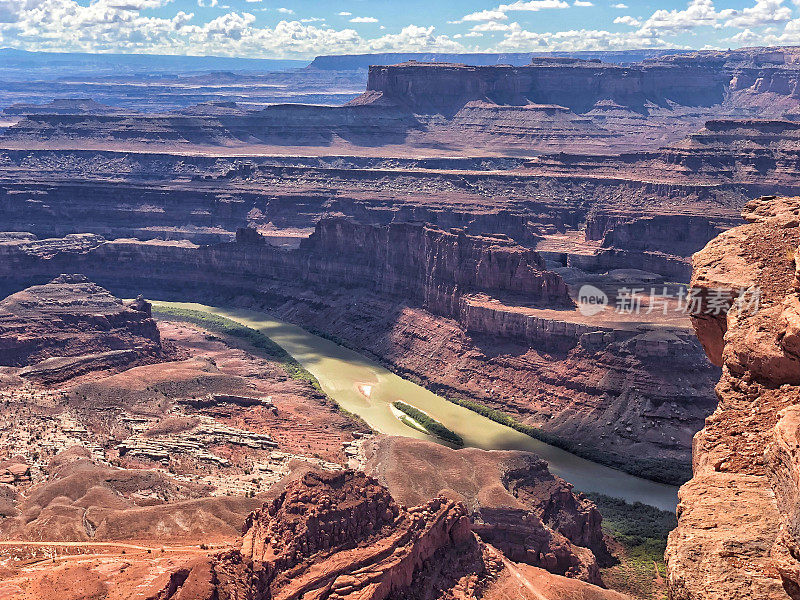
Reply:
x=409, y=422
x=652, y=469
x=642, y=532
x=505, y=419
x=229, y=327
x=432, y=426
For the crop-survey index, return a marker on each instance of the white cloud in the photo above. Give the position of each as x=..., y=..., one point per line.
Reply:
x=484, y=15
x=499, y=13
x=519, y=39
x=128, y=26
x=285, y=11
x=415, y=38
x=136, y=4
x=67, y=25
x=628, y=20
x=697, y=13
x=582, y=3
x=764, y=12
x=533, y=5
x=620, y=5
x=494, y=26
x=345, y=14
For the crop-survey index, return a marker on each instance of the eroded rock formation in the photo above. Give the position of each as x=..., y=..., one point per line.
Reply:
x=340, y=535
x=72, y=324
x=476, y=316
x=737, y=533
x=514, y=502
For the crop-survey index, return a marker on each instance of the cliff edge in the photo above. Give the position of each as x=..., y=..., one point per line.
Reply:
x=737, y=534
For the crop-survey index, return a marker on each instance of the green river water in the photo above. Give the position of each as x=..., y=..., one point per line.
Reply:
x=367, y=389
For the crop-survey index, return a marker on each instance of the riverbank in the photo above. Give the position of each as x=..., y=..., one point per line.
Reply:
x=340, y=371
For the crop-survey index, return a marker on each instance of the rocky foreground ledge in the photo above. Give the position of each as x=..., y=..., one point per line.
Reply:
x=342, y=535
x=738, y=532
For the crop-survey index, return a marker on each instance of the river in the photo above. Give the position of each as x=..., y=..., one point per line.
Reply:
x=367, y=389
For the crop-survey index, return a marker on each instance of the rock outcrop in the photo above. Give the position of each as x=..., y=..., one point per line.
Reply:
x=737, y=529
x=515, y=504
x=446, y=88
x=339, y=535
x=72, y=317
x=438, y=267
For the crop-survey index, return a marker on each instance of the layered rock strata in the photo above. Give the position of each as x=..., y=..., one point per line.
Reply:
x=338, y=535
x=473, y=316
x=736, y=535
x=549, y=104
x=515, y=504
x=73, y=317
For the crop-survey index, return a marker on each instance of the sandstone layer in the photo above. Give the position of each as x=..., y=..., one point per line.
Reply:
x=342, y=535
x=72, y=324
x=474, y=316
x=338, y=536
x=514, y=502
x=736, y=536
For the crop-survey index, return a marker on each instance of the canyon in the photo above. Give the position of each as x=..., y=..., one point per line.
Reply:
x=138, y=481
x=448, y=220
x=444, y=296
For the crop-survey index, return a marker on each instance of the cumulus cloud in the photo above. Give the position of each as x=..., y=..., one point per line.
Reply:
x=533, y=5
x=132, y=26
x=115, y=26
x=697, y=13
x=484, y=15
x=518, y=39
x=765, y=12
x=620, y=5
x=499, y=13
x=494, y=26
x=628, y=20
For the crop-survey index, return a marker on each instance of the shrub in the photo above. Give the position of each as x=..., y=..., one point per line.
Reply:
x=431, y=425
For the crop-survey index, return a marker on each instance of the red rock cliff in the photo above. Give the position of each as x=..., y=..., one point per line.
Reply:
x=333, y=535
x=737, y=534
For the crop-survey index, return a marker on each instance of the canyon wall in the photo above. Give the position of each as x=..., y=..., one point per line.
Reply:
x=471, y=316
x=438, y=269
x=552, y=104
x=426, y=88
x=737, y=529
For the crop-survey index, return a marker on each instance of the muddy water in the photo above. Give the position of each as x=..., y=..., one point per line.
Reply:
x=367, y=389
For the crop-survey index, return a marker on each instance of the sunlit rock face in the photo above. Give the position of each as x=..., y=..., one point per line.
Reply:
x=737, y=532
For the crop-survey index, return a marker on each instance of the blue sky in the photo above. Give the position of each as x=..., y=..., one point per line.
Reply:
x=306, y=28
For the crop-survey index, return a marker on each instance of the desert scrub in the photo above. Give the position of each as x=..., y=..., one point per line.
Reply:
x=642, y=532
x=431, y=425
x=228, y=327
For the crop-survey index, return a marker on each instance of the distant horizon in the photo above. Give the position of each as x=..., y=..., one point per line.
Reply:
x=304, y=29
x=353, y=54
